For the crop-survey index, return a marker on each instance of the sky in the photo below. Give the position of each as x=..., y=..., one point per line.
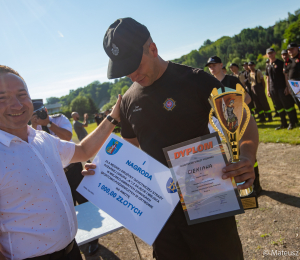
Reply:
x=57, y=45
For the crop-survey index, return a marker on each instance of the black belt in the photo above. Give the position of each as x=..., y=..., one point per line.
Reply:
x=55, y=255
x=69, y=167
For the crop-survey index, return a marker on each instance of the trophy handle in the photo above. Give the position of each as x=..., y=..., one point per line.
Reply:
x=213, y=124
x=247, y=119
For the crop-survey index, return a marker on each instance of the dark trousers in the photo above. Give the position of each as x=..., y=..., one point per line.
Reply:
x=260, y=99
x=73, y=255
x=212, y=240
x=251, y=104
x=284, y=104
x=74, y=178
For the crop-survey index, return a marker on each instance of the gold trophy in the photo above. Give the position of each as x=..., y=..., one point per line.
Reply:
x=229, y=107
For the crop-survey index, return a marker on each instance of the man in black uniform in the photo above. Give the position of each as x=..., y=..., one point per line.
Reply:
x=274, y=105
x=278, y=90
x=246, y=73
x=257, y=82
x=173, y=107
x=285, y=57
x=235, y=72
x=292, y=67
x=224, y=70
x=214, y=64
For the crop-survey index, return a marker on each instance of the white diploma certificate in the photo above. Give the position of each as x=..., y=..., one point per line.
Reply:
x=295, y=85
x=131, y=187
x=196, y=166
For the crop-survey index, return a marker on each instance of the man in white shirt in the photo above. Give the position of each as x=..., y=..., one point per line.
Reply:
x=61, y=127
x=37, y=217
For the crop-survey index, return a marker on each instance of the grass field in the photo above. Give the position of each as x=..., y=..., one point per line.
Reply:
x=267, y=132
x=91, y=127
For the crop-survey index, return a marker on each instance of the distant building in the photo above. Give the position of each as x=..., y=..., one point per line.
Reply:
x=53, y=108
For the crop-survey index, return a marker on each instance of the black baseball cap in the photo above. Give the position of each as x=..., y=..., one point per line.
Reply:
x=123, y=43
x=284, y=52
x=224, y=67
x=270, y=50
x=245, y=63
x=292, y=45
x=213, y=59
x=251, y=63
x=234, y=64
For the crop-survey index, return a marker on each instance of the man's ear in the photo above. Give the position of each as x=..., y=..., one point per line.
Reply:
x=153, y=49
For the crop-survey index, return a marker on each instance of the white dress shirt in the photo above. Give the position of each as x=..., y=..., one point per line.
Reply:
x=37, y=215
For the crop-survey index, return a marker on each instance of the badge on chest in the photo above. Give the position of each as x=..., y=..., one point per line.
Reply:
x=169, y=104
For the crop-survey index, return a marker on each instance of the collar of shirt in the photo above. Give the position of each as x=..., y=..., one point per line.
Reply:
x=6, y=138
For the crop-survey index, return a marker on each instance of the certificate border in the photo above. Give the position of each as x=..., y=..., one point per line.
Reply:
x=212, y=217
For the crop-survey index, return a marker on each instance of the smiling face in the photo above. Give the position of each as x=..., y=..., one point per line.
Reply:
x=16, y=107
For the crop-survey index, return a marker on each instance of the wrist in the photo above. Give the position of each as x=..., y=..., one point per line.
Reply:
x=115, y=117
x=112, y=119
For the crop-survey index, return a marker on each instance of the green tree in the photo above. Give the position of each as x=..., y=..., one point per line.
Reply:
x=292, y=33
x=52, y=100
x=81, y=105
x=92, y=106
x=124, y=89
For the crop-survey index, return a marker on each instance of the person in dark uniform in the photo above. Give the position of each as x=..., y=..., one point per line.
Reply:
x=292, y=68
x=224, y=70
x=246, y=73
x=257, y=82
x=278, y=90
x=285, y=57
x=274, y=105
x=58, y=125
x=171, y=98
x=235, y=72
x=98, y=118
x=214, y=64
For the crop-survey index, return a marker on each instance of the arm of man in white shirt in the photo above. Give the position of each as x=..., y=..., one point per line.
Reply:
x=91, y=144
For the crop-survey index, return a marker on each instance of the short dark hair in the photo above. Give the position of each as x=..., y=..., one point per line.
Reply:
x=5, y=69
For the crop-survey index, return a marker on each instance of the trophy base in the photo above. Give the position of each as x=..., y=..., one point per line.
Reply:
x=250, y=201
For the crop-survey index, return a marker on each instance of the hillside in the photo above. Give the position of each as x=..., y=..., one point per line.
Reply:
x=248, y=45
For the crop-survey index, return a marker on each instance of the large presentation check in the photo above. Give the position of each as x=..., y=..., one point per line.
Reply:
x=197, y=169
x=295, y=85
x=131, y=187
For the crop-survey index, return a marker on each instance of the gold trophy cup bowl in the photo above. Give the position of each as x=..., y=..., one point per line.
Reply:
x=229, y=107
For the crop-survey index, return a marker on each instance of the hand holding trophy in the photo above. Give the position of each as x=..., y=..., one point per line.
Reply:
x=229, y=107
